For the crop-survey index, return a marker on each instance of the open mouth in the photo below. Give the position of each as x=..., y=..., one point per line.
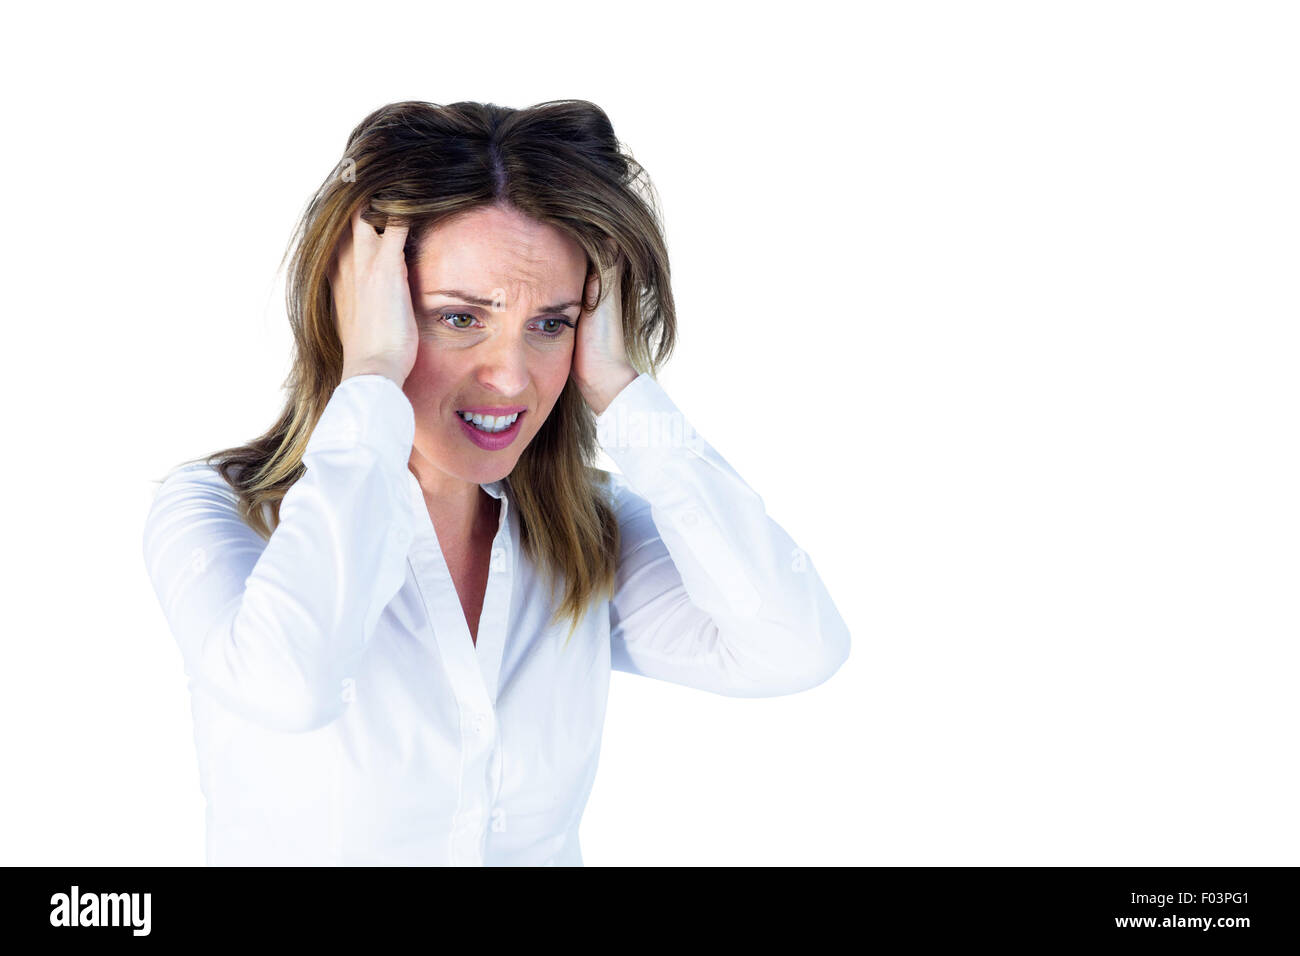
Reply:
x=491, y=432
x=490, y=424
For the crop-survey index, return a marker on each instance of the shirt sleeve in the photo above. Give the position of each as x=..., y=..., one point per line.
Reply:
x=710, y=592
x=273, y=628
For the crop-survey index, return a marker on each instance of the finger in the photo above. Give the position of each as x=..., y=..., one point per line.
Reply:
x=365, y=239
x=613, y=266
x=589, y=300
x=342, y=254
x=393, y=241
x=610, y=278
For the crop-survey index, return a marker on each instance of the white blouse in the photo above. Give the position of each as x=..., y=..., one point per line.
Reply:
x=342, y=713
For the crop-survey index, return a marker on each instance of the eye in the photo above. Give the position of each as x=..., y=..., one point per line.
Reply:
x=558, y=330
x=553, y=331
x=458, y=315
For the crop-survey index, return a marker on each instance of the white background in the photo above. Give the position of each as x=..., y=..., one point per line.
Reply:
x=994, y=304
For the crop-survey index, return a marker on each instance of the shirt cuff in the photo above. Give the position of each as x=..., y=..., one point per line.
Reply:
x=654, y=445
x=699, y=503
x=370, y=411
x=640, y=421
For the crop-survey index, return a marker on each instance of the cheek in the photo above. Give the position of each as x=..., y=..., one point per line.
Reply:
x=551, y=372
x=432, y=366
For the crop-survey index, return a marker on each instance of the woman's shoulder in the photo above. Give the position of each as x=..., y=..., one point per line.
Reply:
x=195, y=490
x=194, y=477
x=194, y=501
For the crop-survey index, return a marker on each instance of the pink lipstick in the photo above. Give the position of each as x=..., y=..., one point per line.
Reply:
x=491, y=441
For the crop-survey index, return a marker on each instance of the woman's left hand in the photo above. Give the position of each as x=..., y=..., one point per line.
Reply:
x=600, y=365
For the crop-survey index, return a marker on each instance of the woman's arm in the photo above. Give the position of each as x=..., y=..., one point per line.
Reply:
x=273, y=628
x=710, y=591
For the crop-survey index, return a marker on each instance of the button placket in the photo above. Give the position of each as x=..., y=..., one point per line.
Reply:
x=471, y=669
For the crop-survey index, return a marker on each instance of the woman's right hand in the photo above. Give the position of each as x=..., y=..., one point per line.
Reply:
x=372, y=300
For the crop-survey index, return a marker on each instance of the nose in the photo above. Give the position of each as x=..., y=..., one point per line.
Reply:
x=503, y=365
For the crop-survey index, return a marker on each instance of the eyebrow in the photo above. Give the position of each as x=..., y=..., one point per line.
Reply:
x=478, y=300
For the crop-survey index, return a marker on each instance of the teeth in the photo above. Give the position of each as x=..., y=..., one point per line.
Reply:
x=490, y=423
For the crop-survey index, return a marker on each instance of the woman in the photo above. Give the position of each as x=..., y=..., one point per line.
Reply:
x=399, y=607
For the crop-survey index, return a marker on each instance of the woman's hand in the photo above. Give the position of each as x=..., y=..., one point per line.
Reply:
x=372, y=299
x=600, y=365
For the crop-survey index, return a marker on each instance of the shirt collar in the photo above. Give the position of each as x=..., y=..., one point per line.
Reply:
x=495, y=488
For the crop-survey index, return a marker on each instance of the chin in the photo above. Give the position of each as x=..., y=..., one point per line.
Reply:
x=487, y=468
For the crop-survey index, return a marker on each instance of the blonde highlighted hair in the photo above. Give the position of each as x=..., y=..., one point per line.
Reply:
x=559, y=163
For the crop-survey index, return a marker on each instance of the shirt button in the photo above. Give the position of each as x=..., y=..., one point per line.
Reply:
x=690, y=518
x=480, y=723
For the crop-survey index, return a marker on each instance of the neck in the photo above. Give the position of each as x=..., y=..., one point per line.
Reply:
x=460, y=510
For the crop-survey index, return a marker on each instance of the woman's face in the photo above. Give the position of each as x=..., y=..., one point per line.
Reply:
x=492, y=292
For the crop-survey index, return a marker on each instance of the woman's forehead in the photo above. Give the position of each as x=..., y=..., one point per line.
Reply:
x=482, y=259
x=497, y=228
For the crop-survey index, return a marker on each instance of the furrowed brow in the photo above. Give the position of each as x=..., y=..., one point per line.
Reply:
x=457, y=294
x=479, y=300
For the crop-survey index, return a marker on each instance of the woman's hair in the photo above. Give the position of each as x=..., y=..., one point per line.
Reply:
x=559, y=163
